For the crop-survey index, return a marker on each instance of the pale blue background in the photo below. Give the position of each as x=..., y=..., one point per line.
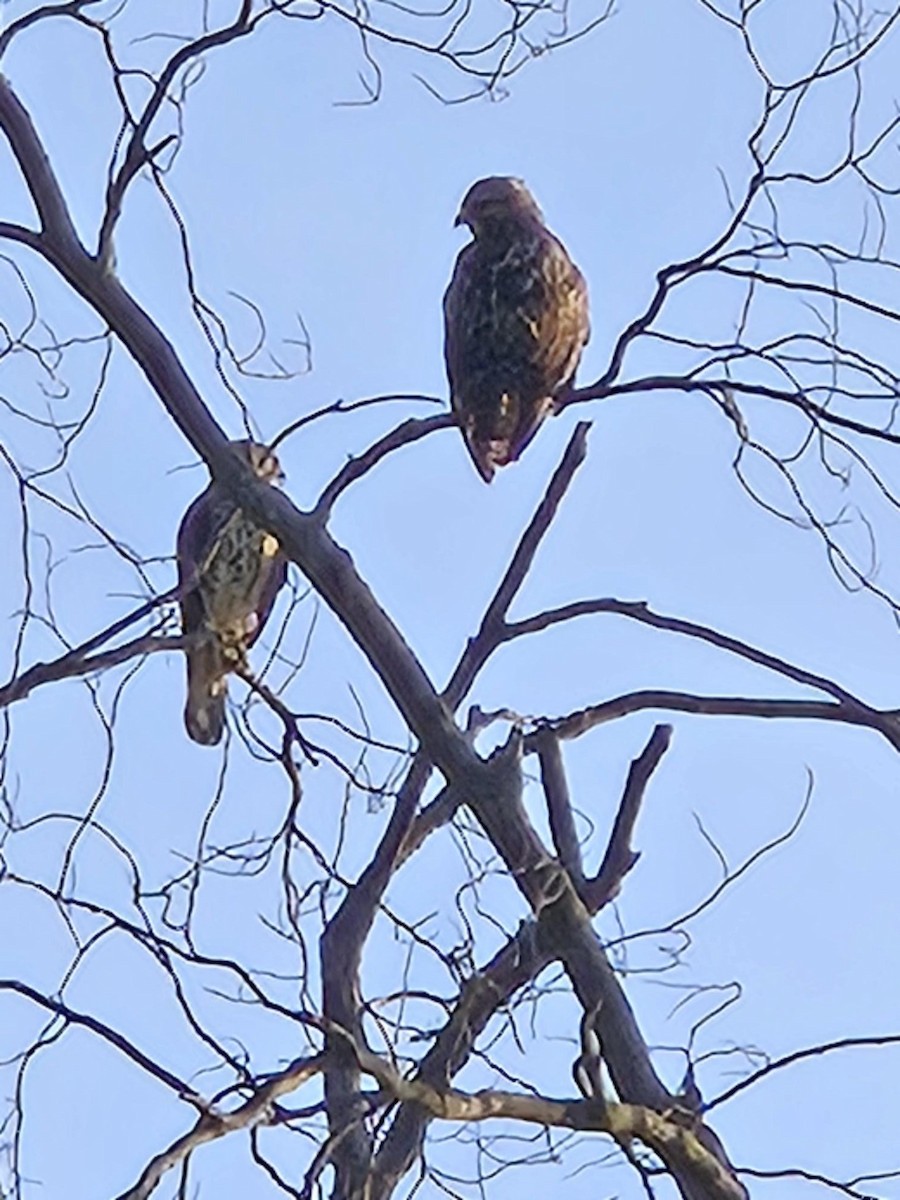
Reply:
x=344, y=214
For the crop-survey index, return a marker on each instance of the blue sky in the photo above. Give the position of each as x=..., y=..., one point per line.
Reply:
x=343, y=213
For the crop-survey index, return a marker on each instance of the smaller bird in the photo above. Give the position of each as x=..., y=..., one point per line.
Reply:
x=515, y=322
x=230, y=571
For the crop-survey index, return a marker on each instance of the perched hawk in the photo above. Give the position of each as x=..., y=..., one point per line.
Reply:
x=516, y=321
x=232, y=571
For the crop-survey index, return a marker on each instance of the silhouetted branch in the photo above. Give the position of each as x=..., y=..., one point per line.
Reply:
x=832, y=385
x=517, y=964
x=118, y=1041
x=342, y=942
x=715, y=388
x=787, y=1060
x=638, y=610
x=408, y=431
x=347, y=406
x=137, y=154
x=81, y=660
x=43, y=186
x=578, y=723
x=256, y=1110
x=620, y=857
x=75, y=664
x=849, y=1187
x=491, y=630
x=70, y=8
x=18, y=233
x=559, y=806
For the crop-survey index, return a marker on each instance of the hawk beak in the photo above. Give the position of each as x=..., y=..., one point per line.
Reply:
x=460, y=220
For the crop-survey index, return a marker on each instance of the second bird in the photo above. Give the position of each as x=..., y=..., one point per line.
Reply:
x=230, y=572
x=515, y=320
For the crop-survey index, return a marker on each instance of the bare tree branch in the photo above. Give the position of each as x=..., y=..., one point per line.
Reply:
x=578, y=723
x=72, y=1016
x=405, y=433
x=137, y=153
x=258, y=1109
x=56, y=223
x=76, y=664
x=787, y=1060
x=638, y=610
x=620, y=857
x=559, y=806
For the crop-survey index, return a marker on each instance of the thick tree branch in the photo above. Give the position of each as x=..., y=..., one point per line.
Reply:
x=18, y=233
x=559, y=806
x=40, y=179
x=670, y=1137
x=492, y=629
x=493, y=789
x=495, y=797
x=676, y=1144
x=518, y=963
x=340, y=952
x=344, y=936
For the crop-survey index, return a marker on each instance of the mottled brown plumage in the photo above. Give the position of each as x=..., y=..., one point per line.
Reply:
x=231, y=571
x=515, y=320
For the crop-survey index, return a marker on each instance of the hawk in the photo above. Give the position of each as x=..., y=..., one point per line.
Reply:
x=515, y=322
x=231, y=571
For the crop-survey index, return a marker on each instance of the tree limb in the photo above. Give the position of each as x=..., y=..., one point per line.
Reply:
x=620, y=857
x=559, y=806
x=639, y=610
x=575, y=724
x=43, y=186
x=406, y=432
x=211, y=1125
x=516, y=964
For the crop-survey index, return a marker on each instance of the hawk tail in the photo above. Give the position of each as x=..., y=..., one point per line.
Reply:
x=487, y=454
x=496, y=438
x=204, y=712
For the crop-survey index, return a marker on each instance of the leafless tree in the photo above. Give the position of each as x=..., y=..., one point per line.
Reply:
x=362, y=1084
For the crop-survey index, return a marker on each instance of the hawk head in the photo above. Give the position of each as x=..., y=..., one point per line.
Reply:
x=261, y=460
x=496, y=201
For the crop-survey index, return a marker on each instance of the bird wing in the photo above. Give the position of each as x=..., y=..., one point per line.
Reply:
x=565, y=326
x=457, y=329
x=200, y=528
x=273, y=579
